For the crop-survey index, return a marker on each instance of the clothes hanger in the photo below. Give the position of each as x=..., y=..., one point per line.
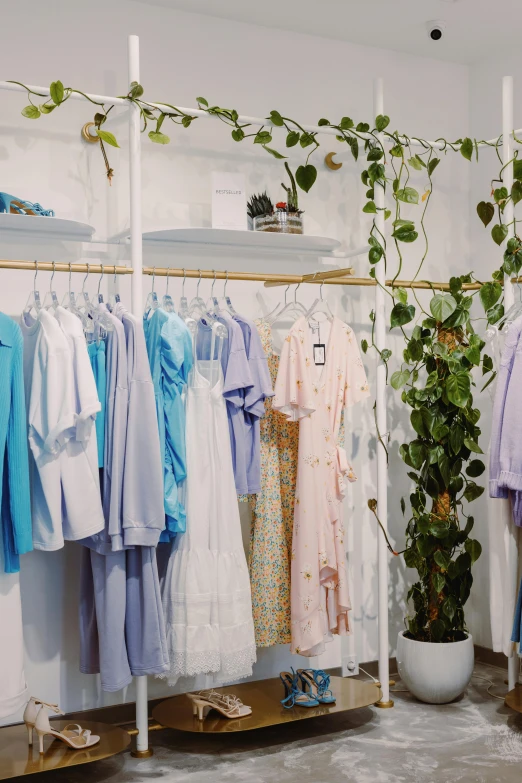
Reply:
x=51, y=299
x=168, y=302
x=184, y=310
x=197, y=303
x=213, y=307
x=69, y=303
x=33, y=302
x=226, y=299
x=93, y=314
x=320, y=306
x=200, y=310
x=114, y=298
x=273, y=313
x=514, y=311
x=294, y=308
x=152, y=299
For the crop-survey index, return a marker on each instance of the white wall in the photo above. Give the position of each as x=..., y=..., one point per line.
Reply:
x=255, y=70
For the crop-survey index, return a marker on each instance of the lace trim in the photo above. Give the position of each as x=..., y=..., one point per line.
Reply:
x=227, y=668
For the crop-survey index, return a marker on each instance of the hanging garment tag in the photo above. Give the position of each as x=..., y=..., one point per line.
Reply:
x=319, y=353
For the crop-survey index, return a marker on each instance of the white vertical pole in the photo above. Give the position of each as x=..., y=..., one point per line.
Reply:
x=382, y=467
x=509, y=214
x=142, y=718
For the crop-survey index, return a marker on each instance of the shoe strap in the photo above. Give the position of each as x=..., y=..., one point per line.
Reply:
x=54, y=707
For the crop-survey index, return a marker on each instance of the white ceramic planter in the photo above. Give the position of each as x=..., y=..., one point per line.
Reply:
x=435, y=673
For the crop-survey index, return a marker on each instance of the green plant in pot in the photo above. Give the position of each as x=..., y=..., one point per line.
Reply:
x=443, y=355
x=285, y=218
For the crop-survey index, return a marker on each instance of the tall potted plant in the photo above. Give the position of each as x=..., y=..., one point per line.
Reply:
x=435, y=652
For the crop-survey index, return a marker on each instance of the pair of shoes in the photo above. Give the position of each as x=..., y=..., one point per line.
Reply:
x=306, y=688
x=37, y=719
x=227, y=704
x=17, y=206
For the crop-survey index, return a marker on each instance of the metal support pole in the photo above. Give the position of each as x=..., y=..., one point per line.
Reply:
x=142, y=718
x=382, y=466
x=509, y=215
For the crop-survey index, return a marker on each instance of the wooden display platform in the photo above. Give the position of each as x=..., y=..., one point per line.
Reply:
x=514, y=699
x=17, y=758
x=264, y=697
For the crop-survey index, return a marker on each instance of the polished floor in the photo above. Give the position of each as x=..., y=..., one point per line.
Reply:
x=475, y=740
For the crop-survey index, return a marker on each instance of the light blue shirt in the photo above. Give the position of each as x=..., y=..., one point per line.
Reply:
x=169, y=348
x=14, y=462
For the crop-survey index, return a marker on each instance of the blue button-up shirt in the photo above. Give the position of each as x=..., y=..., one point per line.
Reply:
x=15, y=502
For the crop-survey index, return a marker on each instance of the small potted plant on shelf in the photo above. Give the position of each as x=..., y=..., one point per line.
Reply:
x=285, y=218
x=435, y=652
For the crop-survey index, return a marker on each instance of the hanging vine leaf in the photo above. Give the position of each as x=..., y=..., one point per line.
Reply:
x=442, y=306
x=466, y=149
x=400, y=378
x=499, y=233
x=274, y=153
x=57, y=91
x=489, y=294
x=408, y=195
x=381, y=122
x=401, y=314
x=458, y=388
x=347, y=123
x=486, y=212
x=306, y=176
x=473, y=548
x=292, y=138
x=110, y=138
x=432, y=165
x=475, y=468
x=238, y=134
x=31, y=112
x=276, y=119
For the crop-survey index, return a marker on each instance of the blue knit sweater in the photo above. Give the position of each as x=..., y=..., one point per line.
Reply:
x=15, y=503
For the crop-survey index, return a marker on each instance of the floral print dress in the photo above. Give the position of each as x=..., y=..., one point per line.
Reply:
x=273, y=516
x=315, y=397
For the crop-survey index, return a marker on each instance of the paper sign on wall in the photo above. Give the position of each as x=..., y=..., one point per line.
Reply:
x=228, y=201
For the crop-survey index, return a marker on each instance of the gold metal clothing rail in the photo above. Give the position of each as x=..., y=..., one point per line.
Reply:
x=59, y=266
x=333, y=276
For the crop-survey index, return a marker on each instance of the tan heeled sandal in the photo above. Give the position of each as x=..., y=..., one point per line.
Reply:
x=31, y=711
x=73, y=735
x=227, y=705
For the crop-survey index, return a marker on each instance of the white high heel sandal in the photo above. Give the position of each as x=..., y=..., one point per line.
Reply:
x=73, y=735
x=31, y=711
x=227, y=704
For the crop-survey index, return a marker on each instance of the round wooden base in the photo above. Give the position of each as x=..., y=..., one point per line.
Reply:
x=18, y=758
x=264, y=697
x=514, y=699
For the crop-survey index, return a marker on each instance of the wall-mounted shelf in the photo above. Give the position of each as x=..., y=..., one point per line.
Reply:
x=38, y=226
x=255, y=241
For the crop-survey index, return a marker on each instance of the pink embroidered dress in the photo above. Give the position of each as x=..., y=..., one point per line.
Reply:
x=315, y=396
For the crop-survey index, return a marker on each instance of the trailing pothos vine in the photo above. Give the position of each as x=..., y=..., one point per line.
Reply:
x=443, y=356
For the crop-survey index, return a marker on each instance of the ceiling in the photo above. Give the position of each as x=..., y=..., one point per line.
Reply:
x=474, y=29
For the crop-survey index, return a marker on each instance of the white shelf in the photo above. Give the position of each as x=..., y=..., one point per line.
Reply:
x=39, y=226
x=255, y=241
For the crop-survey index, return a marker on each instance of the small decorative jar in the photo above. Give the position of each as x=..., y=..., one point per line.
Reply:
x=280, y=222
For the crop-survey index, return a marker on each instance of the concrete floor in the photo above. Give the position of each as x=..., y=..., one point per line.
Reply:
x=476, y=739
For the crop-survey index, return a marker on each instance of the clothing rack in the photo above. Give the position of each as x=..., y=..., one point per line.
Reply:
x=341, y=277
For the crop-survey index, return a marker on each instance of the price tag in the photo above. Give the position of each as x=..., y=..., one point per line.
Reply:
x=319, y=353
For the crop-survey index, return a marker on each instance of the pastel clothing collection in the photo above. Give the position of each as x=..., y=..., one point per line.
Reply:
x=169, y=348
x=97, y=358
x=206, y=589
x=315, y=396
x=273, y=515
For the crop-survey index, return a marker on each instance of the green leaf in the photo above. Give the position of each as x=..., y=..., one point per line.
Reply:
x=475, y=468
x=486, y=212
x=381, y=122
x=346, y=123
x=362, y=127
x=473, y=491
x=489, y=294
x=410, y=558
x=400, y=378
x=354, y=146
x=401, y=295
x=463, y=563
x=31, y=112
x=202, y=101
x=46, y=109
x=136, y=90
x=439, y=582
x=416, y=350
x=238, y=134
x=473, y=355
x=401, y=314
x=405, y=233
x=458, y=389
x=472, y=446
x=500, y=195
x=292, y=138
x=473, y=548
x=262, y=137
x=322, y=122
x=444, y=468
x=375, y=154
x=495, y=314
x=432, y=165
x=364, y=345
x=449, y=607
x=442, y=559
x=418, y=453
x=306, y=176
x=396, y=151
x=110, y=138
x=57, y=92
x=517, y=169
x=408, y=195
x=466, y=149
x=456, y=438
x=442, y=306
x=370, y=208
x=306, y=139
x=499, y=232
x=415, y=163
x=276, y=119
x=437, y=629
x=469, y=525
x=274, y=153
x=403, y=506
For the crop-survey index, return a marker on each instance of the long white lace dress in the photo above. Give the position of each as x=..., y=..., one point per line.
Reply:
x=206, y=588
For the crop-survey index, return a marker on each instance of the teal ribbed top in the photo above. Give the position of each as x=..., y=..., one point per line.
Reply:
x=15, y=502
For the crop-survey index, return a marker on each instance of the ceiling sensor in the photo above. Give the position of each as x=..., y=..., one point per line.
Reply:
x=436, y=30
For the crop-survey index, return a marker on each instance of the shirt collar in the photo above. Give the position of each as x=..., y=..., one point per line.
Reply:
x=6, y=333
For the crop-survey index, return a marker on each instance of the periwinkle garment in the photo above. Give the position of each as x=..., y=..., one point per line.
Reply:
x=169, y=348
x=96, y=352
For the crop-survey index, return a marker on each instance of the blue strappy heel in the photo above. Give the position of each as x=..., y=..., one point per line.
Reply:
x=316, y=683
x=294, y=696
x=17, y=206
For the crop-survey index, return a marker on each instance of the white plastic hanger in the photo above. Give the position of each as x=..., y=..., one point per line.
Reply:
x=197, y=305
x=152, y=299
x=33, y=302
x=114, y=298
x=213, y=303
x=168, y=302
x=184, y=310
x=51, y=299
x=226, y=299
x=294, y=309
x=69, y=303
x=514, y=311
x=320, y=306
